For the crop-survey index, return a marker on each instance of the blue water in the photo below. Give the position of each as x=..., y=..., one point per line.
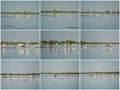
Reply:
x=19, y=53
x=69, y=21
x=20, y=82
x=59, y=82
x=60, y=52
x=60, y=21
x=100, y=21
x=99, y=52
x=20, y=21
x=99, y=81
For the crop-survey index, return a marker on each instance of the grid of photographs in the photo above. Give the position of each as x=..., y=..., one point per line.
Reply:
x=60, y=45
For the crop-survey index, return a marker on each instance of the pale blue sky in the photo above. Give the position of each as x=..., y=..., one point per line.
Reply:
x=60, y=5
x=100, y=36
x=100, y=5
x=99, y=66
x=20, y=6
x=19, y=66
x=60, y=66
x=22, y=36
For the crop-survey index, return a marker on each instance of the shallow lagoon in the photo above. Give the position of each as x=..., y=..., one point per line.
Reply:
x=100, y=21
x=20, y=21
x=100, y=52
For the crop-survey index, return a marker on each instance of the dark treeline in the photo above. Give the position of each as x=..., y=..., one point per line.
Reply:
x=59, y=11
x=116, y=72
x=61, y=42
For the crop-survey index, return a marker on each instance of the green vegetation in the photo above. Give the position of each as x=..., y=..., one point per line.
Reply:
x=25, y=12
x=101, y=12
x=60, y=42
x=59, y=73
x=59, y=11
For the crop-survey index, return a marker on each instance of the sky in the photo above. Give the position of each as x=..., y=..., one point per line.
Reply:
x=100, y=36
x=60, y=66
x=20, y=6
x=19, y=67
x=99, y=66
x=22, y=36
x=60, y=35
x=100, y=5
x=60, y=5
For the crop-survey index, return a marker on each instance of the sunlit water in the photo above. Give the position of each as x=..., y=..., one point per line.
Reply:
x=100, y=21
x=20, y=21
x=100, y=52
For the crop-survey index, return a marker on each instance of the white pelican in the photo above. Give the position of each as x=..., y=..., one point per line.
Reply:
x=3, y=45
x=23, y=45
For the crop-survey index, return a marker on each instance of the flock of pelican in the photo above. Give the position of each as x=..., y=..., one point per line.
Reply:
x=27, y=44
x=51, y=45
x=97, y=76
x=20, y=77
x=106, y=15
x=104, y=46
x=36, y=77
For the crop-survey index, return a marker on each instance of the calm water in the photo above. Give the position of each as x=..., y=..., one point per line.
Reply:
x=60, y=21
x=60, y=52
x=99, y=81
x=20, y=21
x=19, y=53
x=100, y=52
x=100, y=21
x=20, y=82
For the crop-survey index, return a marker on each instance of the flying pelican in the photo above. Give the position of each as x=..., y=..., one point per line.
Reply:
x=23, y=45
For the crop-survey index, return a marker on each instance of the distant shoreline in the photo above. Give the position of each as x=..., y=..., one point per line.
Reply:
x=60, y=73
x=56, y=11
x=60, y=42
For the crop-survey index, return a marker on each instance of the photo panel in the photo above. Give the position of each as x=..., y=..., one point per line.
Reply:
x=60, y=45
x=99, y=74
x=20, y=74
x=60, y=15
x=100, y=15
x=99, y=44
x=20, y=45
x=20, y=15
x=59, y=74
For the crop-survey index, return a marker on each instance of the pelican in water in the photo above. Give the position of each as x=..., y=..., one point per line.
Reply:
x=23, y=45
x=3, y=45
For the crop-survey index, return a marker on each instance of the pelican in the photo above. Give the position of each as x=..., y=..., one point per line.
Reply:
x=23, y=45
x=38, y=45
x=69, y=15
x=97, y=14
x=3, y=45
